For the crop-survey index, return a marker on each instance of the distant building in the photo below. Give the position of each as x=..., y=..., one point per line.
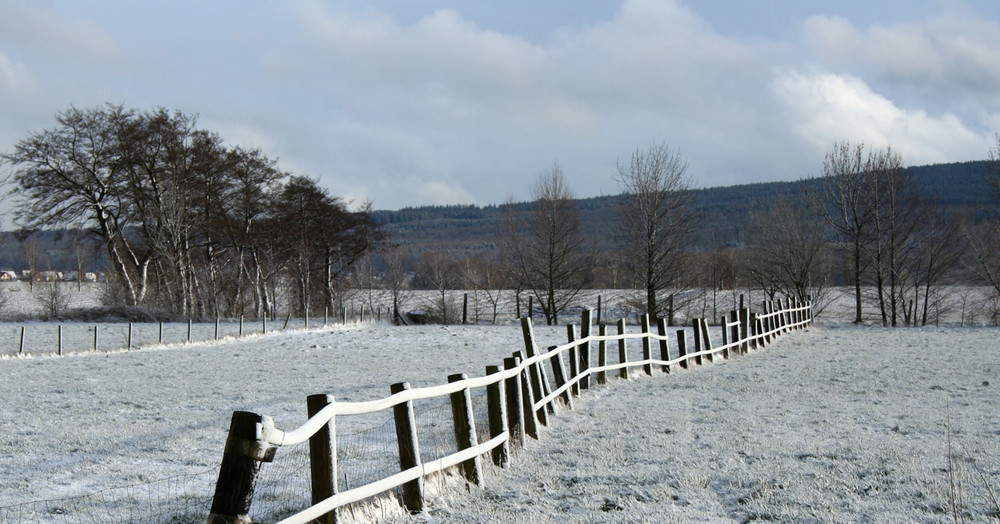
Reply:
x=89, y=277
x=8, y=275
x=47, y=276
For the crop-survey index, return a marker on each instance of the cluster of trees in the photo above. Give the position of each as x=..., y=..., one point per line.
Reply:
x=188, y=224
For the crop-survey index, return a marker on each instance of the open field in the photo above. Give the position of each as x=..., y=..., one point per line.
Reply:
x=838, y=423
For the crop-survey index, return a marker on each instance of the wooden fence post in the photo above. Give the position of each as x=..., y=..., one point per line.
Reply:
x=599, y=323
x=497, y=406
x=323, y=457
x=707, y=340
x=586, y=327
x=96, y=336
x=622, y=350
x=682, y=347
x=531, y=306
x=647, y=351
x=744, y=330
x=59, y=338
x=661, y=330
x=189, y=331
x=515, y=413
x=129, y=339
x=536, y=374
x=696, y=324
x=574, y=370
x=560, y=377
x=246, y=450
x=465, y=429
x=409, y=449
x=725, y=336
x=263, y=324
x=527, y=410
x=465, y=308
x=241, y=326
x=602, y=352
x=20, y=346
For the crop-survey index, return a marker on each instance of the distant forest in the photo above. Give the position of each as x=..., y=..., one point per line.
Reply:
x=466, y=230
x=722, y=212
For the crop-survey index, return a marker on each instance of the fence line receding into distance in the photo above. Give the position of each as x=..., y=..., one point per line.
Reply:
x=489, y=415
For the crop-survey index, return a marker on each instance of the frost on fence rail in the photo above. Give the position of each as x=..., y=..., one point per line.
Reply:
x=181, y=499
x=439, y=434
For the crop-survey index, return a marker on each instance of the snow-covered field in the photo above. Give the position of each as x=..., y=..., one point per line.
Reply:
x=837, y=423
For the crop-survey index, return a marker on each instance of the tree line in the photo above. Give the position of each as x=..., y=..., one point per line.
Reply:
x=188, y=224
x=191, y=225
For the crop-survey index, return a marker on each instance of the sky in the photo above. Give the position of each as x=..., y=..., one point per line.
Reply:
x=416, y=102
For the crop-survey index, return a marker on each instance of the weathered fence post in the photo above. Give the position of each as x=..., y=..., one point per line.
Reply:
x=59, y=338
x=246, y=450
x=536, y=373
x=20, y=346
x=661, y=330
x=527, y=408
x=559, y=376
x=573, y=353
x=531, y=306
x=160, y=336
x=241, y=326
x=189, y=331
x=96, y=329
x=682, y=347
x=512, y=395
x=622, y=350
x=602, y=353
x=323, y=457
x=129, y=338
x=465, y=429
x=725, y=336
x=647, y=350
x=409, y=449
x=744, y=330
x=497, y=406
x=696, y=324
x=707, y=340
x=586, y=327
x=465, y=308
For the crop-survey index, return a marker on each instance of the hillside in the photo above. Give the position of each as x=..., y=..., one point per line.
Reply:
x=464, y=230
x=722, y=211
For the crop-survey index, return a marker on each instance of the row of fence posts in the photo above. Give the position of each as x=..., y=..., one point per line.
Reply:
x=513, y=406
x=128, y=338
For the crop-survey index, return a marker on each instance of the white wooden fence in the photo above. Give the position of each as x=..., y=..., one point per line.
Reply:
x=520, y=396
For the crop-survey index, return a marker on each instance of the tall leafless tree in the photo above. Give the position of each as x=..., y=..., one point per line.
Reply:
x=655, y=217
x=546, y=247
x=788, y=249
x=847, y=185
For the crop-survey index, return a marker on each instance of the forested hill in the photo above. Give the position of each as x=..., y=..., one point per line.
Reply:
x=467, y=230
x=722, y=212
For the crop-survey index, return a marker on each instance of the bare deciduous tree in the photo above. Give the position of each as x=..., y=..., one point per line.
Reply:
x=655, y=218
x=788, y=249
x=546, y=248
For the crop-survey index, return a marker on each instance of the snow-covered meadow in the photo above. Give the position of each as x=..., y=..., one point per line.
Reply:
x=835, y=423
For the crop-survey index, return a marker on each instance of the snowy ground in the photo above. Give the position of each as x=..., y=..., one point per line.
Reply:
x=838, y=423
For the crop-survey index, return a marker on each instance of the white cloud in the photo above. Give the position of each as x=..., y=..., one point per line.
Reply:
x=944, y=59
x=825, y=108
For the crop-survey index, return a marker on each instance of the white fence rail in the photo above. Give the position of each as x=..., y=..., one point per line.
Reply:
x=520, y=396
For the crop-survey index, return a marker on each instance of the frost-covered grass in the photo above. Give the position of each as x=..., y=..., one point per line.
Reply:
x=837, y=424
x=834, y=424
